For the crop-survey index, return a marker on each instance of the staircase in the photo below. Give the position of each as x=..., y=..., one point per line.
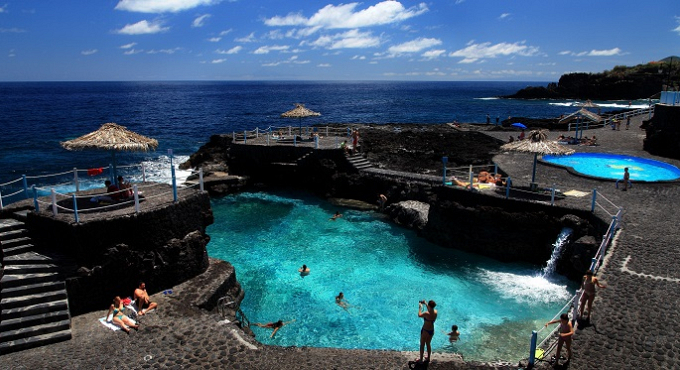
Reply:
x=33, y=295
x=358, y=161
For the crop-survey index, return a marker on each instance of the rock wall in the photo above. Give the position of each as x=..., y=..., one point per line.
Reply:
x=163, y=246
x=663, y=132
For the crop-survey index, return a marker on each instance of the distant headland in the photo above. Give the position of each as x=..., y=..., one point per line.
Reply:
x=621, y=83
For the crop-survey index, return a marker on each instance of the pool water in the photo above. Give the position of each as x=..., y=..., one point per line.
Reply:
x=383, y=271
x=610, y=166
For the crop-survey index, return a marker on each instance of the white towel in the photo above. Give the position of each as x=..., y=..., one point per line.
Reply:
x=107, y=321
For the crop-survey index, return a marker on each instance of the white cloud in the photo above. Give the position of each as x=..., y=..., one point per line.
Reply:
x=249, y=38
x=89, y=52
x=142, y=28
x=12, y=30
x=3, y=9
x=504, y=16
x=360, y=57
x=413, y=46
x=352, y=39
x=225, y=32
x=593, y=53
x=128, y=46
x=133, y=52
x=215, y=39
x=233, y=50
x=200, y=21
x=433, y=54
x=161, y=6
x=345, y=16
x=323, y=65
x=11, y=54
x=604, y=53
x=164, y=51
x=267, y=49
x=274, y=35
x=474, y=52
x=218, y=61
x=677, y=29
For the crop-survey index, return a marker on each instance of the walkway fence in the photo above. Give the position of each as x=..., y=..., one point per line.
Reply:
x=621, y=117
x=67, y=201
x=293, y=135
x=572, y=306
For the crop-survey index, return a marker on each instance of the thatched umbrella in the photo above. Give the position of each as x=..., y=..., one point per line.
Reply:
x=299, y=112
x=112, y=137
x=537, y=143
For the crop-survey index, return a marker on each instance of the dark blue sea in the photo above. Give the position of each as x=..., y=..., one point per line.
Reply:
x=36, y=116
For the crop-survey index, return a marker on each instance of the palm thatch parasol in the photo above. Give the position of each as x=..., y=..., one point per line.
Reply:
x=537, y=143
x=112, y=137
x=300, y=112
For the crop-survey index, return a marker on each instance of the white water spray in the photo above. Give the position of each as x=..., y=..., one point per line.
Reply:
x=558, y=246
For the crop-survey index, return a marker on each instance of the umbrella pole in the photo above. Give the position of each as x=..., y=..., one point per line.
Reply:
x=533, y=173
x=114, y=180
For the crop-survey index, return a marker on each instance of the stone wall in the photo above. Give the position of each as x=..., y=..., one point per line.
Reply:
x=663, y=132
x=163, y=246
x=507, y=230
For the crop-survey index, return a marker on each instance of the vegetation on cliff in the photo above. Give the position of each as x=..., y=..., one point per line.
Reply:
x=621, y=83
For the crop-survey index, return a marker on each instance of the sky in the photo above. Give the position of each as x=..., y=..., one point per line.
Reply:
x=439, y=40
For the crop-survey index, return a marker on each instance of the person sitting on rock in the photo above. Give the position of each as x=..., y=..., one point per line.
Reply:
x=144, y=303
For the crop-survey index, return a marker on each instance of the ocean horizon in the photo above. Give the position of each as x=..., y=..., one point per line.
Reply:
x=182, y=115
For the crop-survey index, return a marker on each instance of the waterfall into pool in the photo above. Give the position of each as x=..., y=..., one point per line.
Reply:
x=383, y=271
x=558, y=246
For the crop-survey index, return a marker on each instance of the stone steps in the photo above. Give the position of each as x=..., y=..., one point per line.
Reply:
x=33, y=294
x=358, y=161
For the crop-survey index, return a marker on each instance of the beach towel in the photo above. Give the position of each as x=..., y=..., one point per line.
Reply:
x=107, y=322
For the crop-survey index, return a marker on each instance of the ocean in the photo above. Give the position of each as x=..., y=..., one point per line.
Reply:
x=37, y=116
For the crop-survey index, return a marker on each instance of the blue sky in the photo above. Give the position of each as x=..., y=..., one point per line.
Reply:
x=443, y=40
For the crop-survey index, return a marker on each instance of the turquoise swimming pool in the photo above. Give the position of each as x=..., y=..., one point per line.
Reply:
x=610, y=166
x=383, y=271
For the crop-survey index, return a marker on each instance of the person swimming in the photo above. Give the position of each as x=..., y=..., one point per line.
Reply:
x=340, y=301
x=336, y=216
x=304, y=270
x=274, y=325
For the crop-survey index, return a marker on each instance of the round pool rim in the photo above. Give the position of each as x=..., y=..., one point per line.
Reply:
x=654, y=162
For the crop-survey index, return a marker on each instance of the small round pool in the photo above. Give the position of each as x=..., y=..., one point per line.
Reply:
x=610, y=166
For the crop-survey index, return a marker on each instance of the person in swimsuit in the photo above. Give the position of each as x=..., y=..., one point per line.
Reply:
x=454, y=334
x=588, y=286
x=566, y=333
x=340, y=301
x=427, y=332
x=119, y=317
x=336, y=216
x=304, y=270
x=273, y=325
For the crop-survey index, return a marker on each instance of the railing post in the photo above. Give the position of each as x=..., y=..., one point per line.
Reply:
x=326, y=131
x=75, y=179
x=233, y=136
x=75, y=208
x=174, y=179
x=495, y=169
x=294, y=140
x=55, y=211
x=245, y=137
x=111, y=175
x=316, y=142
x=1, y=200
x=532, y=348
x=470, y=178
x=552, y=195
x=35, y=199
x=290, y=130
x=444, y=161
x=23, y=177
x=508, y=182
x=257, y=132
x=143, y=173
x=593, y=264
x=136, y=194
x=592, y=206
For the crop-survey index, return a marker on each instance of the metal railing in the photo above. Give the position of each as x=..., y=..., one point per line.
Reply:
x=572, y=306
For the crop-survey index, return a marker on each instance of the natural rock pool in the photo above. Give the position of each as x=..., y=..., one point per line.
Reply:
x=383, y=271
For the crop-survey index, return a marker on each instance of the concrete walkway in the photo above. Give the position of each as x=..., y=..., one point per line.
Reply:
x=635, y=324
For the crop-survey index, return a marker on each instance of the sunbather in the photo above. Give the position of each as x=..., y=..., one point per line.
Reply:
x=144, y=303
x=120, y=319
